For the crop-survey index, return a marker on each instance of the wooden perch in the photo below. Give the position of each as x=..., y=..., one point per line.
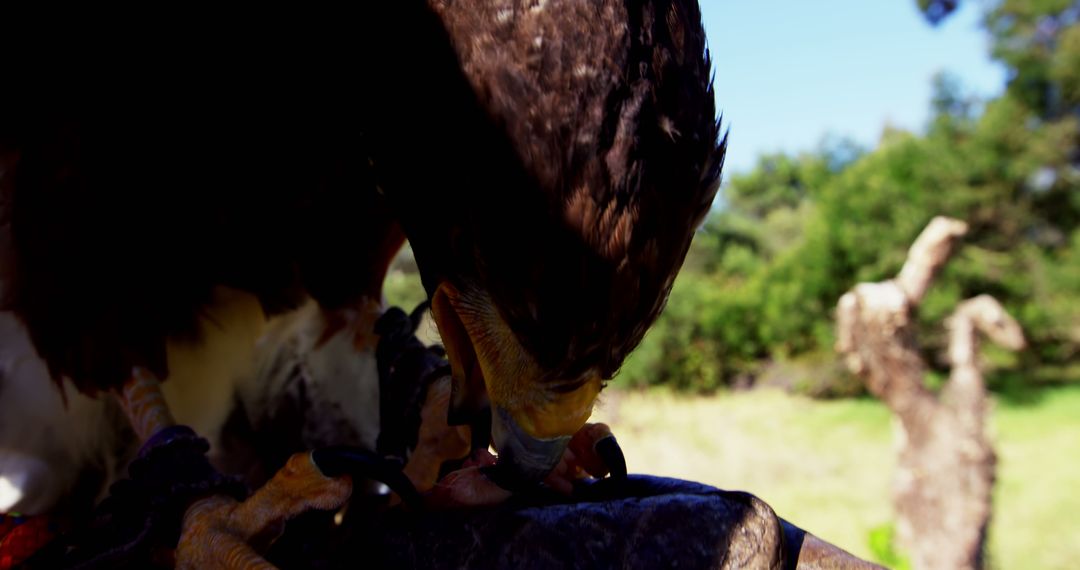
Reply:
x=945, y=473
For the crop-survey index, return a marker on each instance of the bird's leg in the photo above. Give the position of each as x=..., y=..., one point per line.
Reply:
x=437, y=442
x=144, y=404
x=140, y=517
x=218, y=531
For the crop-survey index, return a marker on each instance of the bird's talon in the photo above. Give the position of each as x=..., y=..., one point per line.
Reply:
x=218, y=531
x=361, y=463
x=597, y=452
x=611, y=454
x=593, y=451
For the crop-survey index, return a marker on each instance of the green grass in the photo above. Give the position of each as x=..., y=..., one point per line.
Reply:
x=1037, y=500
x=403, y=290
x=827, y=465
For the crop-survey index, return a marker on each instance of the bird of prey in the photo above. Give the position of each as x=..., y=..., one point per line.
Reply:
x=547, y=268
x=548, y=161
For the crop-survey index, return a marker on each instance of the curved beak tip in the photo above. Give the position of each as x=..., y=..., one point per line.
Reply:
x=524, y=460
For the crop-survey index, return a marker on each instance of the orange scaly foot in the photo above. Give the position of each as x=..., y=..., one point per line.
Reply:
x=219, y=532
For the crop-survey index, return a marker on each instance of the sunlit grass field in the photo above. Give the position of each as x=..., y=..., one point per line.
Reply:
x=827, y=465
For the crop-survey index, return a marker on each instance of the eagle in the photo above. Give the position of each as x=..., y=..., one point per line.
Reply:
x=548, y=161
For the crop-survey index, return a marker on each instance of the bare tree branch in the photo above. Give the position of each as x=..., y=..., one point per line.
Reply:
x=927, y=255
x=945, y=472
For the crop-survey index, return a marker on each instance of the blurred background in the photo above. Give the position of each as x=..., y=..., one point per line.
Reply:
x=853, y=123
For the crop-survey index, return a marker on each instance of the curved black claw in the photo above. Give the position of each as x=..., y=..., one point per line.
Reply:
x=361, y=463
x=609, y=451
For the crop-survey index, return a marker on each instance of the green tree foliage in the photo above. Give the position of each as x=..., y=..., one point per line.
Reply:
x=765, y=272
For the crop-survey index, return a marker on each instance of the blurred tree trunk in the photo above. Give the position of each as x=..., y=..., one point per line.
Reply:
x=945, y=470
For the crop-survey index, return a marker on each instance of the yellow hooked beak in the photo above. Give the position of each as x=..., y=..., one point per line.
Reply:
x=531, y=426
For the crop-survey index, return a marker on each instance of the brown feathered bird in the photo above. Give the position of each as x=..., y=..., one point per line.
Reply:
x=546, y=272
x=548, y=160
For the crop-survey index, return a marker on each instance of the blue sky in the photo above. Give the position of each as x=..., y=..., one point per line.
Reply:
x=788, y=72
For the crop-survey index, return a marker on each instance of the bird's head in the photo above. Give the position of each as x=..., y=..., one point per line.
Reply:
x=535, y=407
x=575, y=190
